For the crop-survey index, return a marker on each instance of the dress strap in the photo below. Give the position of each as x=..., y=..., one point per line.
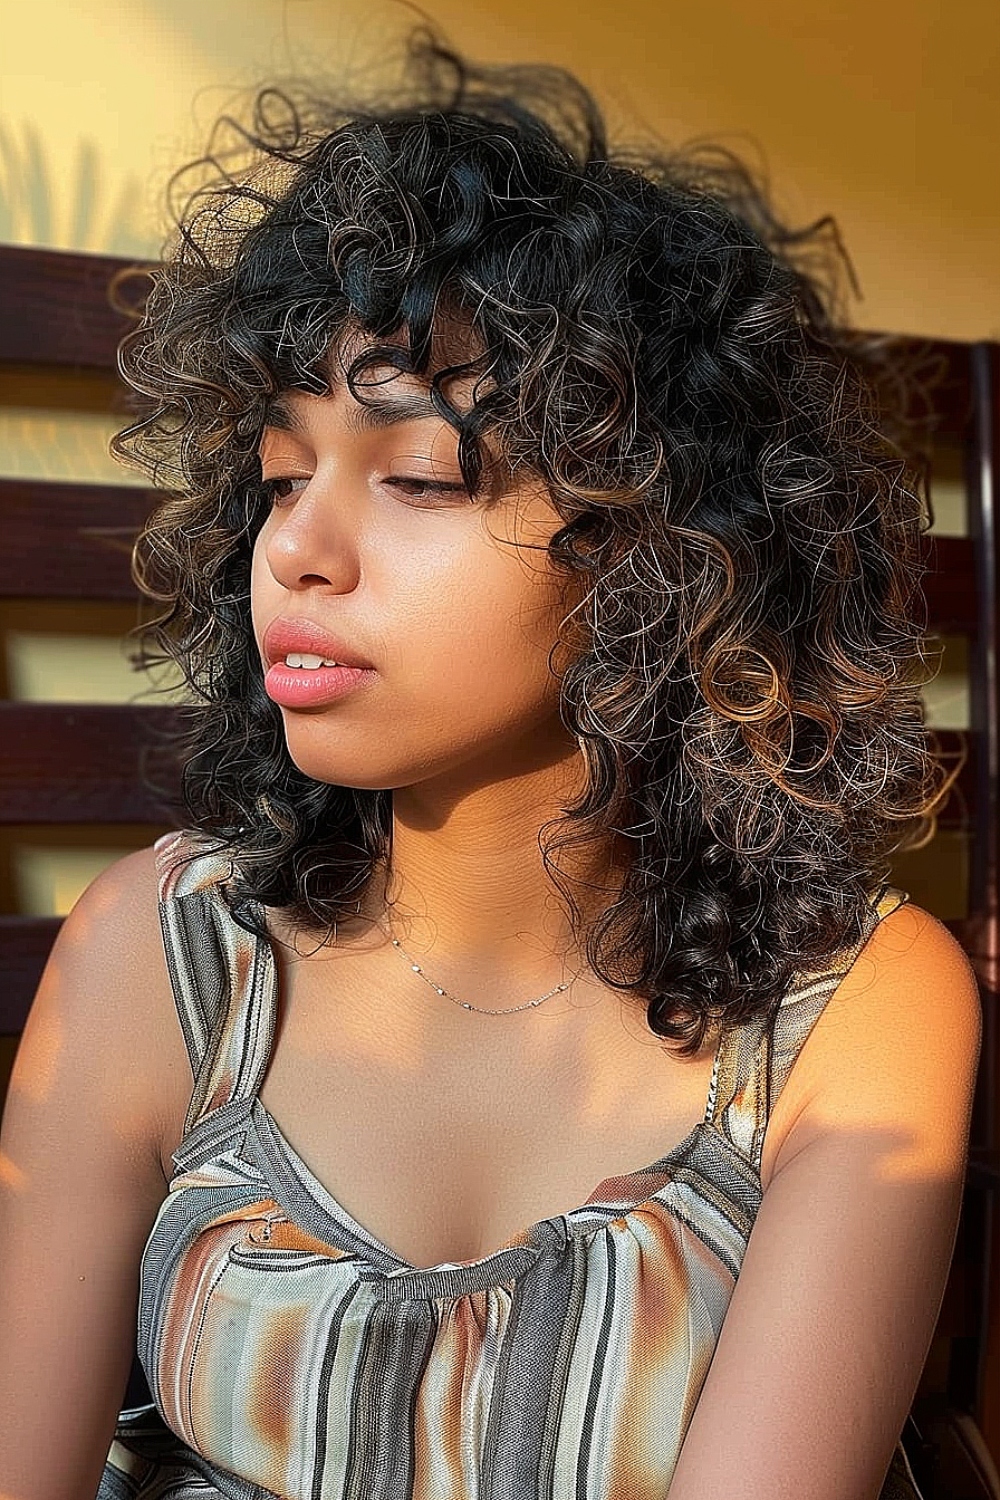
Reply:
x=754, y=1060
x=222, y=976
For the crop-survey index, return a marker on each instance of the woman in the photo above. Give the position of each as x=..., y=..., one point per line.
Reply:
x=519, y=489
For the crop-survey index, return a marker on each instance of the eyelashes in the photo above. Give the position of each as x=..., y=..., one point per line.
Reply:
x=271, y=490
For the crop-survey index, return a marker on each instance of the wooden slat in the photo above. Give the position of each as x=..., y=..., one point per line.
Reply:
x=25, y=943
x=938, y=399
x=984, y=875
x=81, y=762
x=957, y=811
x=54, y=308
x=65, y=540
x=984, y=1168
x=950, y=586
x=984, y=513
x=981, y=1355
x=69, y=541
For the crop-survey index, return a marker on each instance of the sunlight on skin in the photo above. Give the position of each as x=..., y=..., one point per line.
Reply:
x=36, y=1085
x=35, y=1081
x=433, y=574
x=11, y=1175
x=859, y=1021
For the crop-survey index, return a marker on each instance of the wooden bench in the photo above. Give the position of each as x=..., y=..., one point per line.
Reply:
x=87, y=767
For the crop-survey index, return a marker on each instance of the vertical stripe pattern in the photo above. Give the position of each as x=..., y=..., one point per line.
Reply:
x=290, y=1353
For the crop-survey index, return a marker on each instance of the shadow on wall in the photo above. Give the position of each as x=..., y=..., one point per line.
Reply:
x=34, y=211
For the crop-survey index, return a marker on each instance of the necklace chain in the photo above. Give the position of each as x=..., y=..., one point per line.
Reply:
x=465, y=1004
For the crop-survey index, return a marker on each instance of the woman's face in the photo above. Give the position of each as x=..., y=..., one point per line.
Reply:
x=452, y=599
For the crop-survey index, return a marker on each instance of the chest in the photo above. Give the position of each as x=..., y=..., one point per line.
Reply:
x=444, y=1132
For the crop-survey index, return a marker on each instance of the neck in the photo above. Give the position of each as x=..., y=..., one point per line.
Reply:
x=465, y=889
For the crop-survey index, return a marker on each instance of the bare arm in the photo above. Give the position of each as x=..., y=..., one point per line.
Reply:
x=80, y=1184
x=836, y=1303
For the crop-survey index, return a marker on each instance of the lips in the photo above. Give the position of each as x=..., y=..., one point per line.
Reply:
x=284, y=635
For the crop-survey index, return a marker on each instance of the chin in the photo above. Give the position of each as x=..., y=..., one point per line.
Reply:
x=320, y=768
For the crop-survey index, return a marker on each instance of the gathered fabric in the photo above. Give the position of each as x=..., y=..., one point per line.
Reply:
x=289, y=1353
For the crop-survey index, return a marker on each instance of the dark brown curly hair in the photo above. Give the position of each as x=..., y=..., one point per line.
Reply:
x=672, y=361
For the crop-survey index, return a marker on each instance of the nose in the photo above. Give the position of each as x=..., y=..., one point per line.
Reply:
x=313, y=542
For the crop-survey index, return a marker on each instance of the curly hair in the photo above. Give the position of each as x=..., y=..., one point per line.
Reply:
x=673, y=362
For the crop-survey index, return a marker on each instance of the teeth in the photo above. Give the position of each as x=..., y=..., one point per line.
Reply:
x=305, y=659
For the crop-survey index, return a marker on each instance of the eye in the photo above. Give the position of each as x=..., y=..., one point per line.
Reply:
x=418, y=488
x=272, y=489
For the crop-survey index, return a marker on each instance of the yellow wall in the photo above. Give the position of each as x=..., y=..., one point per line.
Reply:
x=883, y=112
x=879, y=113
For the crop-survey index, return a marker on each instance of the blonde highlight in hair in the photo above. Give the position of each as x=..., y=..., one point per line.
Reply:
x=746, y=661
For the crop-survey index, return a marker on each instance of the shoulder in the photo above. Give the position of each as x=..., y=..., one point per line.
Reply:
x=841, y=1284
x=130, y=890
x=108, y=976
x=81, y=1181
x=113, y=920
x=894, y=1052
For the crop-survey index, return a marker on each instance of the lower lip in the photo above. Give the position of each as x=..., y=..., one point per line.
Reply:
x=302, y=687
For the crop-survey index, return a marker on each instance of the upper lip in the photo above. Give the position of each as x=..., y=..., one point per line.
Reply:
x=284, y=635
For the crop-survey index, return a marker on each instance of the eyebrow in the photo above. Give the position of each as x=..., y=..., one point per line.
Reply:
x=362, y=417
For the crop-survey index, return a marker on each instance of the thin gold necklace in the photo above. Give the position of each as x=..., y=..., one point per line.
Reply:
x=510, y=1010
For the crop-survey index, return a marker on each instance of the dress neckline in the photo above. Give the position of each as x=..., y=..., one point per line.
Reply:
x=311, y=1200
x=309, y=1204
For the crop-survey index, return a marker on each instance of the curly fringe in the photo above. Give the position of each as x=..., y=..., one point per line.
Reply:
x=747, y=665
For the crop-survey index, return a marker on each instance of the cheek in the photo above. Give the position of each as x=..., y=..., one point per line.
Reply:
x=479, y=650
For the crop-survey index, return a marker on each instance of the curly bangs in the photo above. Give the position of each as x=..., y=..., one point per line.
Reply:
x=652, y=342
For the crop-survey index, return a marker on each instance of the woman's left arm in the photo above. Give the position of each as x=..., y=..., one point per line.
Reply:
x=836, y=1303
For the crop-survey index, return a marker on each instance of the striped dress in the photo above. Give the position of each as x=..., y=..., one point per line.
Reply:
x=290, y=1353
